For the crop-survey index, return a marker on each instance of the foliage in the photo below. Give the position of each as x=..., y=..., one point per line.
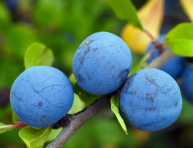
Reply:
x=37, y=54
x=115, y=110
x=124, y=9
x=34, y=137
x=180, y=39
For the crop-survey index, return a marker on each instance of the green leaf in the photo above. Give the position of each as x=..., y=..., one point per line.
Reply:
x=77, y=106
x=85, y=97
x=72, y=79
x=115, y=110
x=180, y=39
x=4, y=128
x=124, y=9
x=54, y=133
x=38, y=54
x=34, y=137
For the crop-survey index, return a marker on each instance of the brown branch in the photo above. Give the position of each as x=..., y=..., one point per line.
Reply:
x=159, y=61
x=77, y=120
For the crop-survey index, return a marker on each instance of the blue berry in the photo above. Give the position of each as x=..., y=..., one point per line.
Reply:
x=150, y=100
x=102, y=63
x=41, y=95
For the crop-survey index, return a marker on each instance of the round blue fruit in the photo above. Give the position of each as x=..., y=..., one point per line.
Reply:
x=41, y=96
x=187, y=84
x=174, y=66
x=150, y=100
x=102, y=63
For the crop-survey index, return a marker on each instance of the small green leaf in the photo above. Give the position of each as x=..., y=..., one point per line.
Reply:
x=38, y=54
x=124, y=9
x=4, y=128
x=85, y=97
x=77, y=106
x=115, y=110
x=34, y=137
x=53, y=134
x=72, y=79
x=180, y=39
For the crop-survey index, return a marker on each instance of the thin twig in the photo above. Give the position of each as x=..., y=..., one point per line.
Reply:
x=78, y=120
x=150, y=35
x=159, y=61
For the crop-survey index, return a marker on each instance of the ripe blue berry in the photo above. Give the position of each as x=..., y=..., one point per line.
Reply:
x=41, y=95
x=102, y=63
x=150, y=100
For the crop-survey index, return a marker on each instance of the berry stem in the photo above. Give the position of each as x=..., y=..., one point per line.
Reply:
x=150, y=35
x=159, y=61
x=20, y=124
x=12, y=126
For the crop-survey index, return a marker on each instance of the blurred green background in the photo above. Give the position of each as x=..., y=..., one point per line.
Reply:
x=62, y=25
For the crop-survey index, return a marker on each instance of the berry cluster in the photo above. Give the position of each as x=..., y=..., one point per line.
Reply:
x=150, y=99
